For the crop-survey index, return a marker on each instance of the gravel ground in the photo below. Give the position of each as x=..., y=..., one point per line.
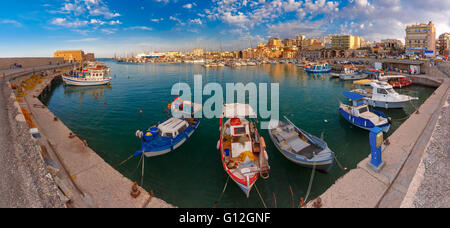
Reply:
x=434, y=191
x=24, y=179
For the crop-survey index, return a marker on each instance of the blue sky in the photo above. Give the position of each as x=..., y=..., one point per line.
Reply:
x=105, y=27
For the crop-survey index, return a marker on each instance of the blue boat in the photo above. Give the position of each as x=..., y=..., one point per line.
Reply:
x=171, y=134
x=318, y=68
x=361, y=116
x=300, y=147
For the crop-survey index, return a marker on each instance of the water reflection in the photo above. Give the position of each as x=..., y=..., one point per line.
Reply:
x=97, y=92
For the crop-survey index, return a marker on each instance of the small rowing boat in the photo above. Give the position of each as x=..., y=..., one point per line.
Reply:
x=300, y=147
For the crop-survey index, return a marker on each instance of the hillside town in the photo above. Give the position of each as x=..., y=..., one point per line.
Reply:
x=420, y=42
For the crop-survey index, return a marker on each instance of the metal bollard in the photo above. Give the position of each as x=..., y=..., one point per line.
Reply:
x=376, y=140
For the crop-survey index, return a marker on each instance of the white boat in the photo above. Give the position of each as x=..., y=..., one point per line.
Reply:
x=349, y=73
x=382, y=95
x=250, y=63
x=87, y=78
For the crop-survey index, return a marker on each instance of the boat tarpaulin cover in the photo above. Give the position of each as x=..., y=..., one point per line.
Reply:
x=353, y=96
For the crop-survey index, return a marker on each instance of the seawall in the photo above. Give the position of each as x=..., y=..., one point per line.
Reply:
x=8, y=63
x=84, y=178
x=402, y=153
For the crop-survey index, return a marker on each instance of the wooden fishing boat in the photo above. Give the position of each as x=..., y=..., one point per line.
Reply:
x=300, y=147
x=397, y=81
x=242, y=149
x=318, y=68
x=172, y=133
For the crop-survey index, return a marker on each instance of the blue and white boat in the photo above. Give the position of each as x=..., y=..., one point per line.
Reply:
x=359, y=114
x=171, y=134
x=300, y=147
x=318, y=68
x=87, y=78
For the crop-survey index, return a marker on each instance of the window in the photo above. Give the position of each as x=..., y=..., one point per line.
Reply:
x=381, y=91
x=239, y=131
x=363, y=110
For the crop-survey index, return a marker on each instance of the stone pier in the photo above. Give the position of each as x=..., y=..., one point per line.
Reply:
x=83, y=178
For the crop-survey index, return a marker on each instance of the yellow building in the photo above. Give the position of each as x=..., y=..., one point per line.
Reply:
x=70, y=55
x=345, y=42
x=307, y=43
x=420, y=38
x=199, y=52
x=316, y=45
x=275, y=42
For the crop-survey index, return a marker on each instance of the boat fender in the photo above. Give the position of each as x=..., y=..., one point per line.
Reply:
x=218, y=145
x=139, y=134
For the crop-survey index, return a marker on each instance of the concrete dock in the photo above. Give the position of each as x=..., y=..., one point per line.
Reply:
x=84, y=179
x=364, y=188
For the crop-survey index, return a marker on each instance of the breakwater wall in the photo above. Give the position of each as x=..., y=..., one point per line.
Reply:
x=86, y=179
x=9, y=63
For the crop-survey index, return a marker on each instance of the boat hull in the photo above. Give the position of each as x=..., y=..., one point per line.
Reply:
x=352, y=76
x=317, y=71
x=387, y=105
x=71, y=81
x=323, y=165
x=169, y=148
x=363, y=123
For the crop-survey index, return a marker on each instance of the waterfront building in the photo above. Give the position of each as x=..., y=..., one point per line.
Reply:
x=316, y=45
x=289, y=42
x=299, y=40
x=326, y=41
x=275, y=42
x=421, y=39
x=70, y=55
x=444, y=44
x=289, y=54
x=89, y=57
x=345, y=42
x=261, y=45
x=198, y=52
x=306, y=43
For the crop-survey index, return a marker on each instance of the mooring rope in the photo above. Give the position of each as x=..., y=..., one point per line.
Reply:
x=262, y=200
x=339, y=164
x=274, y=200
x=221, y=194
x=143, y=168
x=310, y=182
x=123, y=162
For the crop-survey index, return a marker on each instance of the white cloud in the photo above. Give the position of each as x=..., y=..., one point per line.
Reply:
x=187, y=6
x=196, y=21
x=69, y=24
x=139, y=28
x=84, y=40
x=11, y=22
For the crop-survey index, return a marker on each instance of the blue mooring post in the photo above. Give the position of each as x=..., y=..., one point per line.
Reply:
x=376, y=140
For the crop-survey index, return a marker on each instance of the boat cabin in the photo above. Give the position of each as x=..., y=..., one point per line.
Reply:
x=172, y=127
x=348, y=70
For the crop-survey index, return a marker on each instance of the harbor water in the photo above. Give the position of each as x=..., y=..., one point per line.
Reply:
x=193, y=175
